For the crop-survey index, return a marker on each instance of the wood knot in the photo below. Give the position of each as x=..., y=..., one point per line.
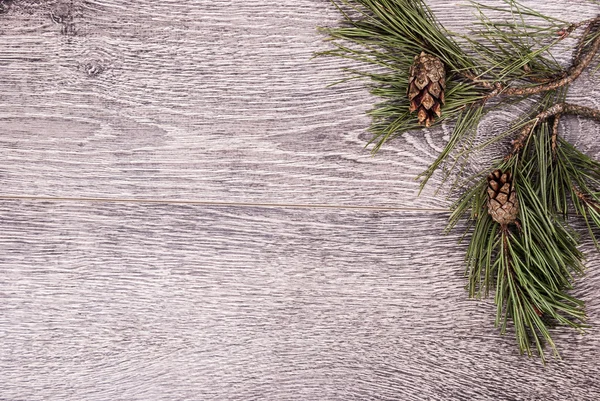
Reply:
x=93, y=68
x=5, y=6
x=62, y=14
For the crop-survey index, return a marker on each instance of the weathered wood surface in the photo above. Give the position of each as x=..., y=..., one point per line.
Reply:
x=220, y=101
x=162, y=302
x=209, y=100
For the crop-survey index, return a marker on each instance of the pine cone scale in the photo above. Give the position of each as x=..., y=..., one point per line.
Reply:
x=435, y=89
x=427, y=101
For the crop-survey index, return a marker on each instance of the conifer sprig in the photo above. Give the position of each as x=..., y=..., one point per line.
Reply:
x=526, y=249
x=533, y=264
x=507, y=59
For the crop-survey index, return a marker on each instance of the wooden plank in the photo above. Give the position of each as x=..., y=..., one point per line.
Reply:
x=162, y=302
x=220, y=101
x=210, y=100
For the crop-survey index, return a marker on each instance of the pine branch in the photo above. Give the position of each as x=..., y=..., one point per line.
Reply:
x=553, y=111
x=512, y=49
x=580, y=63
x=592, y=26
x=554, y=139
x=563, y=33
x=519, y=217
x=534, y=262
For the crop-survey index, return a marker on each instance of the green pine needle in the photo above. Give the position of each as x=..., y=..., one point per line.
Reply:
x=535, y=264
x=385, y=35
x=530, y=265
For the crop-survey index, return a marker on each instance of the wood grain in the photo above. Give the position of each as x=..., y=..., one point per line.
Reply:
x=220, y=101
x=209, y=100
x=150, y=302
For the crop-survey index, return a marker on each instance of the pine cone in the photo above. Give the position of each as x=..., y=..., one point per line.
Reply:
x=426, y=84
x=503, y=204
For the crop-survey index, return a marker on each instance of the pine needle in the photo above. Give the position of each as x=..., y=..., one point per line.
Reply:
x=530, y=263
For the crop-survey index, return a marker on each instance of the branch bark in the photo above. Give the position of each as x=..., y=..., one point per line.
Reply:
x=555, y=133
x=593, y=25
x=580, y=62
x=586, y=199
x=556, y=110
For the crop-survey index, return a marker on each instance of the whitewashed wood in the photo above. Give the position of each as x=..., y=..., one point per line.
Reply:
x=215, y=100
x=219, y=101
x=151, y=302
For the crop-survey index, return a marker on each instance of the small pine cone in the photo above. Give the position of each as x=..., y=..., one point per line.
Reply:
x=503, y=204
x=426, y=85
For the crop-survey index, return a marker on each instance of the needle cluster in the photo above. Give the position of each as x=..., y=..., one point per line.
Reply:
x=520, y=211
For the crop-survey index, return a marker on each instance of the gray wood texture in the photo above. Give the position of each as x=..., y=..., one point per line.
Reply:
x=163, y=302
x=138, y=297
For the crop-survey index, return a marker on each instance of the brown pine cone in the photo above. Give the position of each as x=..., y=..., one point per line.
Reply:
x=503, y=204
x=426, y=85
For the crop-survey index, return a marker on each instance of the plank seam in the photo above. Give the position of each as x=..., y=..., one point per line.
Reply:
x=228, y=204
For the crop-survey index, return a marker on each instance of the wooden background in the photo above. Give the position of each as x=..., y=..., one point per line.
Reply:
x=188, y=213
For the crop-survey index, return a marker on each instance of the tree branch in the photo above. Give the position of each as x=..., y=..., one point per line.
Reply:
x=593, y=25
x=585, y=199
x=555, y=133
x=563, y=33
x=580, y=63
x=555, y=110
